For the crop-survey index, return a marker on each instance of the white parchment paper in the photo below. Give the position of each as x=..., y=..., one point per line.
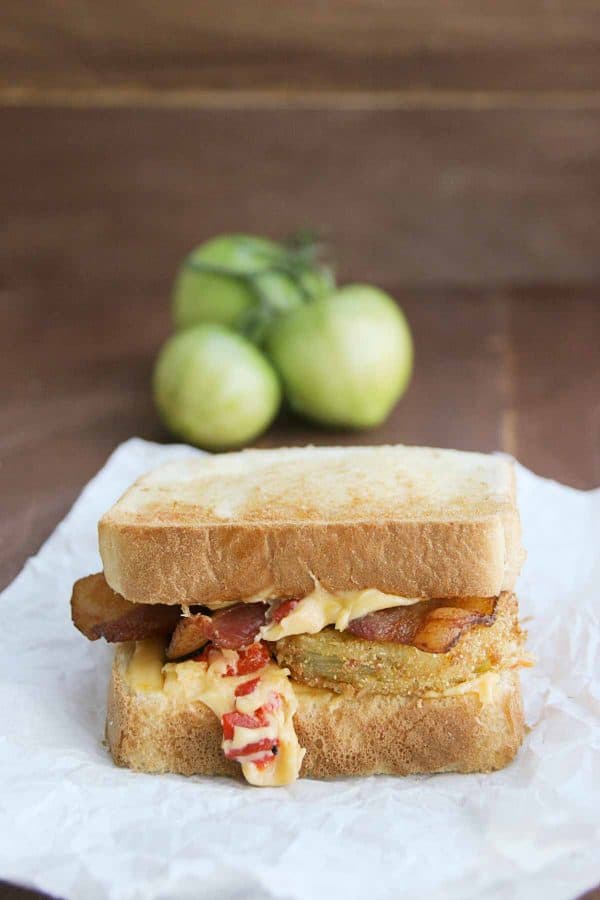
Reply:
x=74, y=825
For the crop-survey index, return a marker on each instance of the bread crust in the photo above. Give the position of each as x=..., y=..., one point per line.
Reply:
x=203, y=564
x=366, y=735
x=413, y=521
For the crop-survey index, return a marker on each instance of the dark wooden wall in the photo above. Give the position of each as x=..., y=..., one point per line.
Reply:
x=439, y=143
x=519, y=46
x=430, y=197
x=445, y=143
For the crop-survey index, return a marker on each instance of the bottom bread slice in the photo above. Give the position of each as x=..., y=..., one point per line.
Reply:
x=367, y=734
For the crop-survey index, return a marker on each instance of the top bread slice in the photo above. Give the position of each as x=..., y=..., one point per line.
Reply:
x=412, y=521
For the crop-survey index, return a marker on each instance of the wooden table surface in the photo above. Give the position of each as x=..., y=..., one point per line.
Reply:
x=453, y=161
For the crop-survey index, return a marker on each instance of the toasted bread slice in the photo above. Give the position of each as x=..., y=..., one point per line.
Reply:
x=412, y=521
x=151, y=731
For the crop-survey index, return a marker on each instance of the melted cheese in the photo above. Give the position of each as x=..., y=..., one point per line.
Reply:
x=485, y=686
x=209, y=685
x=145, y=666
x=321, y=608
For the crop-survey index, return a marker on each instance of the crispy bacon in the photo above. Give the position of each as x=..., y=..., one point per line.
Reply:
x=431, y=625
x=191, y=634
x=237, y=626
x=98, y=611
x=231, y=628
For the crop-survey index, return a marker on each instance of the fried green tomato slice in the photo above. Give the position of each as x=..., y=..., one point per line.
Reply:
x=342, y=662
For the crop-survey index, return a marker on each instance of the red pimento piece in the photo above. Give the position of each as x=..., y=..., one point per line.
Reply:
x=261, y=715
x=230, y=720
x=283, y=610
x=253, y=658
x=263, y=763
x=256, y=747
x=272, y=704
x=242, y=690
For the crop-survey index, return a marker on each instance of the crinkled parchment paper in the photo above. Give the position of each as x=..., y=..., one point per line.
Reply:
x=74, y=825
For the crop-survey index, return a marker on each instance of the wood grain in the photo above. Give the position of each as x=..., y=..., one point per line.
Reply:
x=432, y=198
x=341, y=45
x=554, y=374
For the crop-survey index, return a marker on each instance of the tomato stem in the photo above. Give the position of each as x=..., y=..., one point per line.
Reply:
x=299, y=257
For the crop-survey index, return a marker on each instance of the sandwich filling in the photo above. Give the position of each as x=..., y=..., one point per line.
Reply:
x=321, y=608
x=255, y=702
x=243, y=661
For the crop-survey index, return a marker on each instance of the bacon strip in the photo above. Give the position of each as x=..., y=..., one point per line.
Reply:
x=237, y=626
x=433, y=626
x=231, y=629
x=430, y=625
x=191, y=634
x=98, y=611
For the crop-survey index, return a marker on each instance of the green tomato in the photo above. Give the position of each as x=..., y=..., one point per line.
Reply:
x=213, y=296
x=214, y=388
x=228, y=296
x=346, y=358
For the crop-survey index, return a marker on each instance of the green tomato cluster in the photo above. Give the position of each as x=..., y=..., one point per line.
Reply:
x=257, y=320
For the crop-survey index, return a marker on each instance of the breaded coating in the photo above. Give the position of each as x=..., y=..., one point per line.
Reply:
x=340, y=662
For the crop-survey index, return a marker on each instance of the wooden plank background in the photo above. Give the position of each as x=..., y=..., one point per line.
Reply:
x=286, y=45
x=430, y=197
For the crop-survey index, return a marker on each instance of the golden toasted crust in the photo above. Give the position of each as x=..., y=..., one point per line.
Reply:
x=341, y=662
x=147, y=732
x=365, y=735
x=391, y=735
x=409, y=521
x=203, y=564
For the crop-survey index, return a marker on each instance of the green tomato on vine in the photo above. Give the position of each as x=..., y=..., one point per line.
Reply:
x=253, y=316
x=244, y=281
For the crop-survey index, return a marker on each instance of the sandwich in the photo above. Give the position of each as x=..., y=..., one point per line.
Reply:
x=312, y=612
